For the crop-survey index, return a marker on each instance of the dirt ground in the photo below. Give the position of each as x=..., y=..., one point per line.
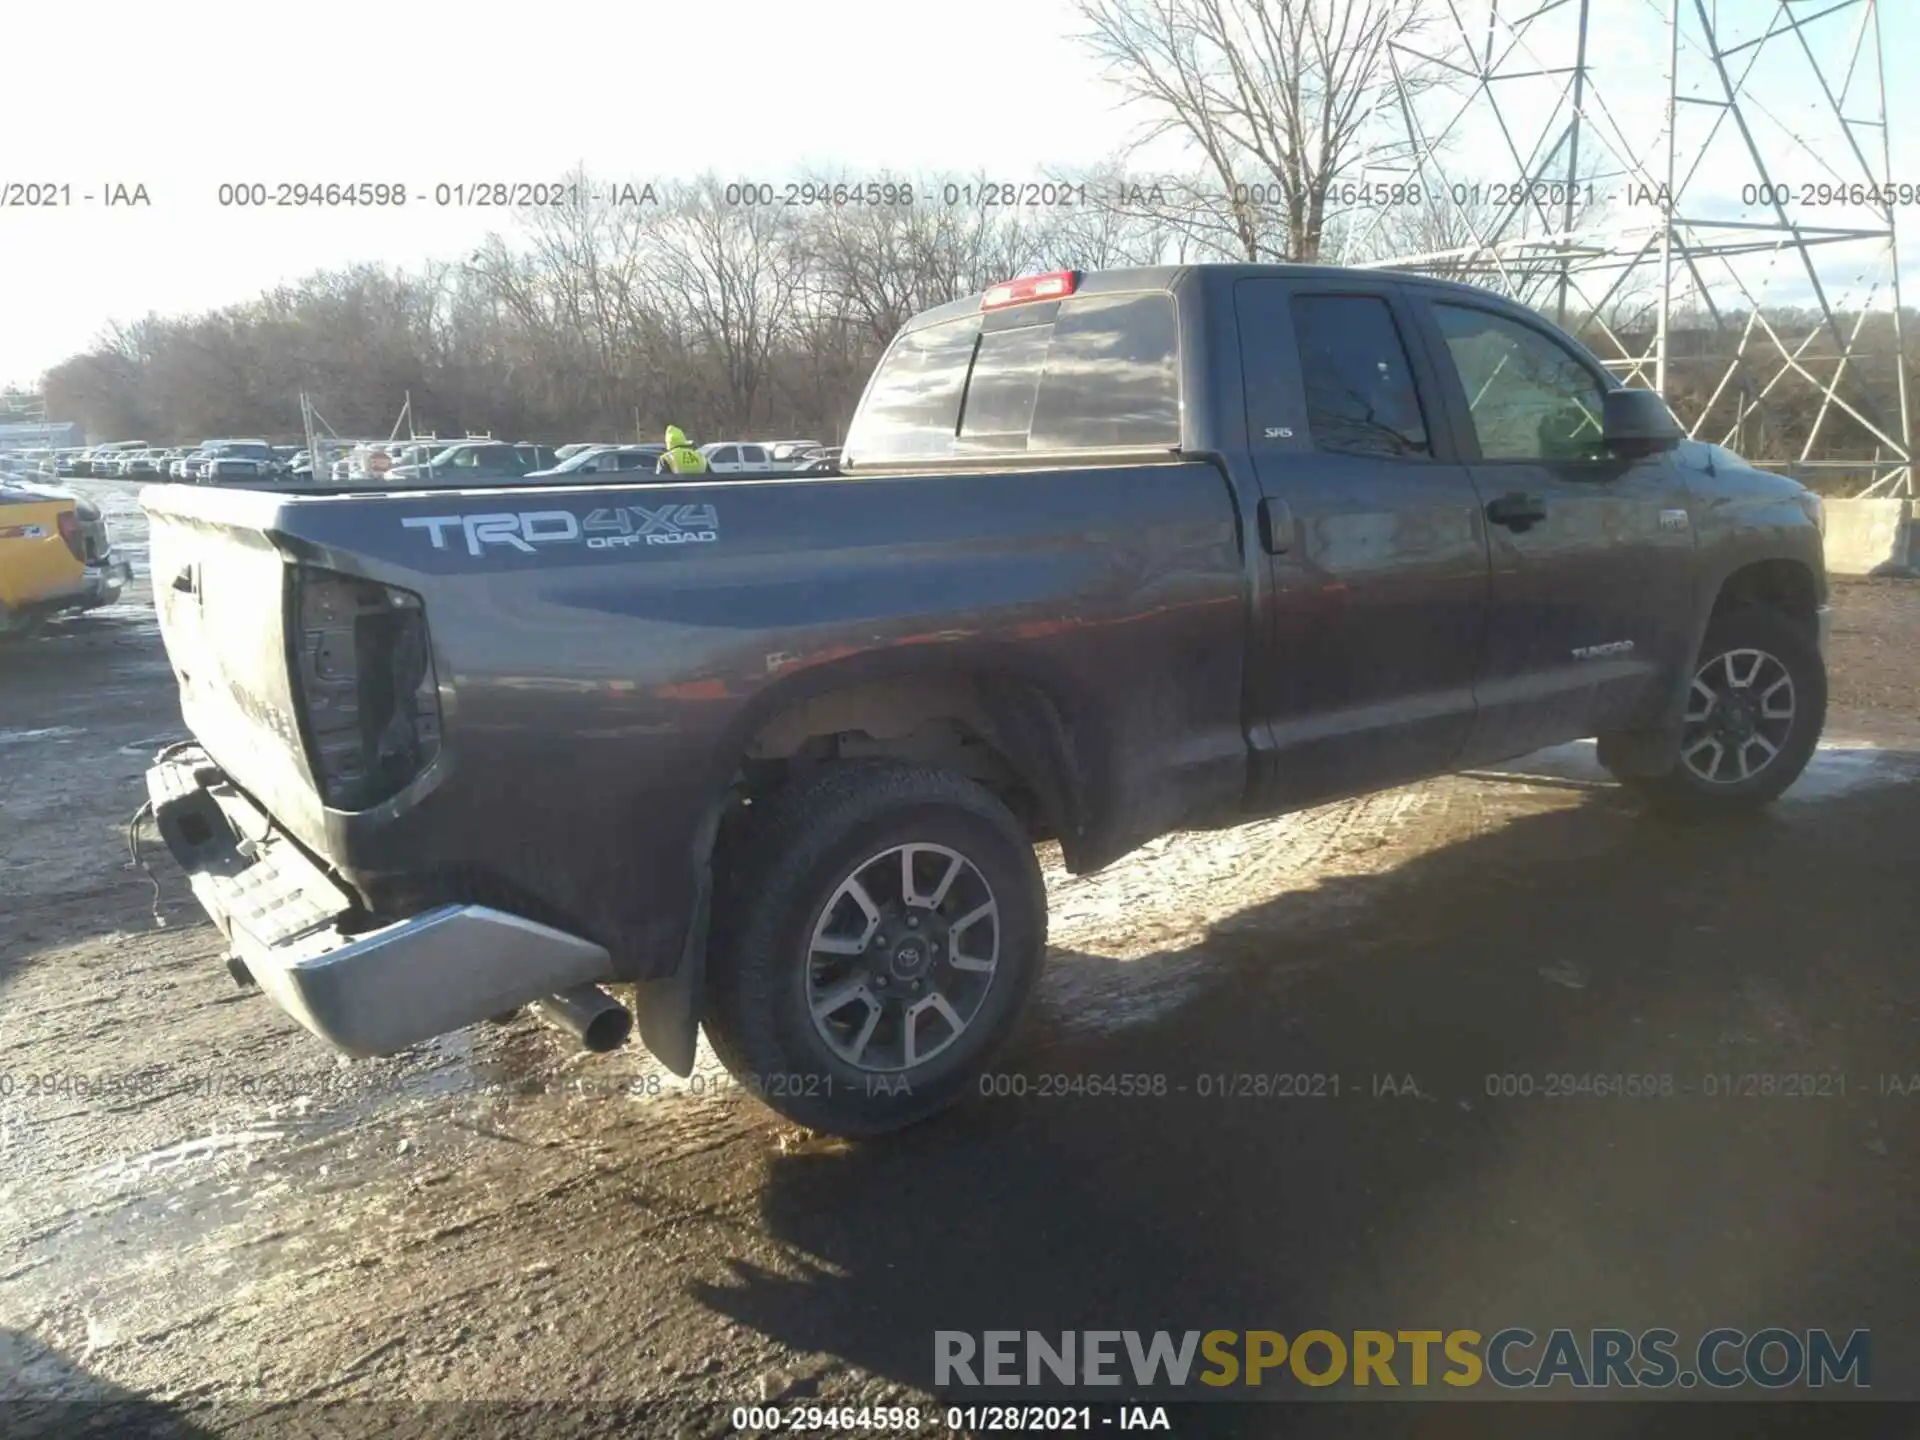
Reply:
x=201, y=1206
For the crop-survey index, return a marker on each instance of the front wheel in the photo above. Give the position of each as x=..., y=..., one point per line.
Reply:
x=876, y=948
x=1755, y=707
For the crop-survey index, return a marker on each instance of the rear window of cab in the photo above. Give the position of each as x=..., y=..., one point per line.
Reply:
x=1089, y=373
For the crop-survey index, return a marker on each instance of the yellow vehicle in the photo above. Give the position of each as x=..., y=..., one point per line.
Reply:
x=55, y=555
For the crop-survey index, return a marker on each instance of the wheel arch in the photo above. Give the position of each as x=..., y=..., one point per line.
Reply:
x=1790, y=587
x=975, y=712
x=989, y=717
x=1787, y=585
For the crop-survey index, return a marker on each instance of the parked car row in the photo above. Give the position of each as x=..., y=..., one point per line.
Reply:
x=136, y=460
x=723, y=457
x=477, y=458
x=27, y=465
x=483, y=459
x=97, y=459
x=229, y=461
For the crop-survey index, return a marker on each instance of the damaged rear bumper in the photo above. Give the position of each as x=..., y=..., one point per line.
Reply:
x=367, y=985
x=102, y=582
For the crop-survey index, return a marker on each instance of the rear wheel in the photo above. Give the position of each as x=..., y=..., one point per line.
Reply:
x=876, y=947
x=1754, y=711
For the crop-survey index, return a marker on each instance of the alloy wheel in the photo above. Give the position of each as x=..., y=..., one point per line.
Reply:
x=1740, y=710
x=902, y=956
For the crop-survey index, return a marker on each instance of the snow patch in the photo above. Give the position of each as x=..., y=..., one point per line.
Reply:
x=22, y=737
x=1840, y=766
x=185, y=1152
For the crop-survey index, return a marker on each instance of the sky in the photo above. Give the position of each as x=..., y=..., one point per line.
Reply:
x=184, y=97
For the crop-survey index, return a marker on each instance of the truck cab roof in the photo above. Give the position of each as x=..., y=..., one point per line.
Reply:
x=1174, y=278
x=1079, y=365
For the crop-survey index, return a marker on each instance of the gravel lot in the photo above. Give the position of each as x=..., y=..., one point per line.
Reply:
x=198, y=1204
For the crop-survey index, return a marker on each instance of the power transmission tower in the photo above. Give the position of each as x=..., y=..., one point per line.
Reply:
x=1669, y=177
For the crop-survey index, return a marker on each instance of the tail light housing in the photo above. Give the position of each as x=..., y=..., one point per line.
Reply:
x=70, y=532
x=364, y=674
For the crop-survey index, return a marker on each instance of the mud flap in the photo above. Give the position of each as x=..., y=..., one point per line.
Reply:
x=667, y=1011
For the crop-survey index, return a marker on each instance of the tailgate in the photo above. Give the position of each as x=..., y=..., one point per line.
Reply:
x=35, y=563
x=220, y=586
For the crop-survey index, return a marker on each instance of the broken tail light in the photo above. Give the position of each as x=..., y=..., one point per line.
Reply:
x=364, y=674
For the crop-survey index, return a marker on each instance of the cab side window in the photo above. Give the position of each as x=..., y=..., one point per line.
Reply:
x=1529, y=397
x=1360, y=394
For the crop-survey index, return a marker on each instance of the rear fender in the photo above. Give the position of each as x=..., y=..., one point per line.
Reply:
x=1023, y=716
x=1026, y=727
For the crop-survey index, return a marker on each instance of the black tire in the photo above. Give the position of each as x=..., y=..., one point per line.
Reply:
x=1788, y=650
x=23, y=628
x=764, y=977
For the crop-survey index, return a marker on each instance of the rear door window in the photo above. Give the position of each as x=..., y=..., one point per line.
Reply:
x=1358, y=385
x=752, y=455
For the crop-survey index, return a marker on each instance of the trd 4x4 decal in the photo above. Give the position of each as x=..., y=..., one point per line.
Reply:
x=607, y=528
x=636, y=525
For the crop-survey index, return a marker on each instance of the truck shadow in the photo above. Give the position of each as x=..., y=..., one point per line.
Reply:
x=1433, y=1174
x=34, y=930
x=45, y=1395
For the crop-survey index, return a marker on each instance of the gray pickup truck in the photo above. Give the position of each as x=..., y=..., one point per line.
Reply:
x=1109, y=555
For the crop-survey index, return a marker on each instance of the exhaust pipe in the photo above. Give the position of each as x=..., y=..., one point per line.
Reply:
x=589, y=1014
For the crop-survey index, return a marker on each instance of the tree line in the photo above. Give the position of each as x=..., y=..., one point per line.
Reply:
x=590, y=318
x=593, y=320
x=733, y=313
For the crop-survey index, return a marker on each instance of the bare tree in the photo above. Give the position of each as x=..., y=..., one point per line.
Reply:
x=1280, y=98
x=1118, y=220
x=736, y=268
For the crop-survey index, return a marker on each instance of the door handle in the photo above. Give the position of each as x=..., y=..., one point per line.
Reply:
x=1276, y=526
x=1517, y=511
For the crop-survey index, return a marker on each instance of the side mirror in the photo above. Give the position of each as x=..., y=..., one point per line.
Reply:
x=1637, y=421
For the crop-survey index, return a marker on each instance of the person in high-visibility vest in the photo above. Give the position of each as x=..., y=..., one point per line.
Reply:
x=681, y=458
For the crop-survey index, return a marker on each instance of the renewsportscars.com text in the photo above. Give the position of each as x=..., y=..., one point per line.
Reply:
x=1514, y=1358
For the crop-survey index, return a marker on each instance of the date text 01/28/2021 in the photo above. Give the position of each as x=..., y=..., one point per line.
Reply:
x=462, y=194
x=908, y=1419
x=1207, y=1085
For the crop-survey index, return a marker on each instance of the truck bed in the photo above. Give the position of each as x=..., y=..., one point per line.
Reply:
x=603, y=655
